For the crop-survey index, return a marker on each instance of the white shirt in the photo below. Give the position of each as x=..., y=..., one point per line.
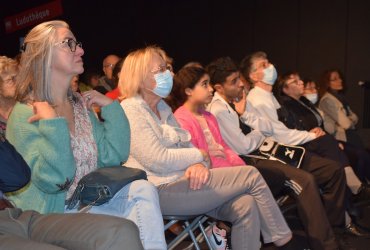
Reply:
x=264, y=104
x=228, y=121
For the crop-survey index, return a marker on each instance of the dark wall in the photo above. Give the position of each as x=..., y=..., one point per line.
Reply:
x=304, y=35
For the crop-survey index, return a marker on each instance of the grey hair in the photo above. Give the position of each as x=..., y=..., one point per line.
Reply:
x=34, y=78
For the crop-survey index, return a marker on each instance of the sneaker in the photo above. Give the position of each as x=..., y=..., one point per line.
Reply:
x=217, y=237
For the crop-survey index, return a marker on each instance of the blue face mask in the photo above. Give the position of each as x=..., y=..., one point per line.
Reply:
x=269, y=75
x=164, y=82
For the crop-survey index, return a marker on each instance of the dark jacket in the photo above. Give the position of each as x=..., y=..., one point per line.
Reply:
x=295, y=115
x=14, y=171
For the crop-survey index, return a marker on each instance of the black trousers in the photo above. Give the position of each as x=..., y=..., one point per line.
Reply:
x=327, y=146
x=359, y=159
x=316, y=215
x=274, y=177
x=331, y=180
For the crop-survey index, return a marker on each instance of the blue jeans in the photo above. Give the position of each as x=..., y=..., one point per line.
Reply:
x=138, y=202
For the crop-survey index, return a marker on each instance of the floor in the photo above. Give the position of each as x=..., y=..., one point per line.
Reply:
x=358, y=243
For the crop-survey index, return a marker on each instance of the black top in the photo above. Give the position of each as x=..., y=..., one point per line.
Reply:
x=301, y=115
x=14, y=171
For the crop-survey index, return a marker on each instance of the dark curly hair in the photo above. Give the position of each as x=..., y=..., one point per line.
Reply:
x=186, y=77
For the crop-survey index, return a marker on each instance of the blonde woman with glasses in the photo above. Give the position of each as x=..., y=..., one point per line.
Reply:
x=59, y=136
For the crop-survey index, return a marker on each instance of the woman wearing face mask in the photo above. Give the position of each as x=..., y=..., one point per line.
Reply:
x=60, y=138
x=180, y=171
x=298, y=112
x=310, y=91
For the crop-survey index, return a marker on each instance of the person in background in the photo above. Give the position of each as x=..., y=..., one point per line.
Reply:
x=193, y=64
x=60, y=138
x=115, y=94
x=8, y=72
x=310, y=91
x=358, y=157
x=339, y=119
x=91, y=79
x=106, y=82
x=75, y=84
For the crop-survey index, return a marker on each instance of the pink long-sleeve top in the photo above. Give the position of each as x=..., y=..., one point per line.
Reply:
x=206, y=135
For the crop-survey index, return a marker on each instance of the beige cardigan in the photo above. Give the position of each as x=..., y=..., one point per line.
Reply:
x=336, y=121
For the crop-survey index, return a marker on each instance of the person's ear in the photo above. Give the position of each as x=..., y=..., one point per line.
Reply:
x=188, y=91
x=218, y=87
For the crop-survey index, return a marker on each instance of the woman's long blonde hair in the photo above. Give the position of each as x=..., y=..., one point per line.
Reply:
x=33, y=80
x=135, y=69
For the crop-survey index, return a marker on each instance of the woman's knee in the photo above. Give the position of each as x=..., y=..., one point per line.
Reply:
x=143, y=189
x=244, y=208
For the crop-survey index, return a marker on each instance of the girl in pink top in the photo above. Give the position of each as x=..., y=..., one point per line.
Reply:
x=193, y=91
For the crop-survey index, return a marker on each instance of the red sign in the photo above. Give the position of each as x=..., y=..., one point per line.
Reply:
x=33, y=16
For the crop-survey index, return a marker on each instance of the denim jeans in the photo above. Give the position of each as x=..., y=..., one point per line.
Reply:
x=138, y=202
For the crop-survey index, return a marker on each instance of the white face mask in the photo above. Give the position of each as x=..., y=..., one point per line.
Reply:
x=312, y=97
x=269, y=75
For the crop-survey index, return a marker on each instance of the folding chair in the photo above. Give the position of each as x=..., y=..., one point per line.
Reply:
x=190, y=224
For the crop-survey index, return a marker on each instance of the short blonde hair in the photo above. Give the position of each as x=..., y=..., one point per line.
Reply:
x=7, y=66
x=135, y=69
x=33, y=81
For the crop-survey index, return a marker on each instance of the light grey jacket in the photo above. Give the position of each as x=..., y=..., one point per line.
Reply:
x=336, y=121
x=158, y=146
x=228, y=121
x=263, y=103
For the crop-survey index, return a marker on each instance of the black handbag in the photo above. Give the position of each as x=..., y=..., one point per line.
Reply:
x=99, y=186
x=14, y=171
x=287, y=154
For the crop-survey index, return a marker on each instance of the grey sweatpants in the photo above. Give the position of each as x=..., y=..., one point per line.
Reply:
x=31, y=230
x=237, y=194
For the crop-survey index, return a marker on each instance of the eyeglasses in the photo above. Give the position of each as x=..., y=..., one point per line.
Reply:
x=110, y=65
x=295, y=82
x=72, y=44
x=162, y=69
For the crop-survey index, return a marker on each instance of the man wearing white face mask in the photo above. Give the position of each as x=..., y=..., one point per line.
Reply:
x=328, y=174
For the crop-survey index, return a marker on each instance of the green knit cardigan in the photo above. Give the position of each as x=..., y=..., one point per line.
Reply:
x=46, y=147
